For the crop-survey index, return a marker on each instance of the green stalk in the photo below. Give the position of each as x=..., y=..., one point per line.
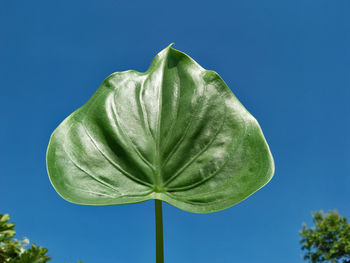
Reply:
x=159, y=232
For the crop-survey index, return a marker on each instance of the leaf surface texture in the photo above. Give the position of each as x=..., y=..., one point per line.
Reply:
x=174, y=133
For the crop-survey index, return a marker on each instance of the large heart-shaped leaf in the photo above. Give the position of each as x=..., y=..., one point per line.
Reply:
x=174, y=133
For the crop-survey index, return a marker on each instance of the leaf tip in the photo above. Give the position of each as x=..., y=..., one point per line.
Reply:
x=170, y=45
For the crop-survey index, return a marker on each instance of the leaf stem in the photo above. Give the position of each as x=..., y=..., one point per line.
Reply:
x=159, y=232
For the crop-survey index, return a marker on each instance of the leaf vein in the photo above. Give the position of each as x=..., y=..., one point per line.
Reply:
x=130, y=176
x=173, y=151
x=184, y=167
x=143, y=111
x=132, y=145
x=177, y=108
x=92, y=176
x=228, y=159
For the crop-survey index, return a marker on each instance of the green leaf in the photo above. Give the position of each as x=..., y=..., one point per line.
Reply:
x=174, y=133
x=4, y=218
x=32, y=255
x=6, y=229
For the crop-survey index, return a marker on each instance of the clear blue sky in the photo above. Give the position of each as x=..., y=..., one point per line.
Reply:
x=287, y=61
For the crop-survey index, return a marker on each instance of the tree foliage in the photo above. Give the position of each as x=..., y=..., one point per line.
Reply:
x=328, y=240
x=15, y=251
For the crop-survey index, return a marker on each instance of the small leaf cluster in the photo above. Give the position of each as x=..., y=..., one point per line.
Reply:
x=15, y=251
x=33, y=255
x=328, y=240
